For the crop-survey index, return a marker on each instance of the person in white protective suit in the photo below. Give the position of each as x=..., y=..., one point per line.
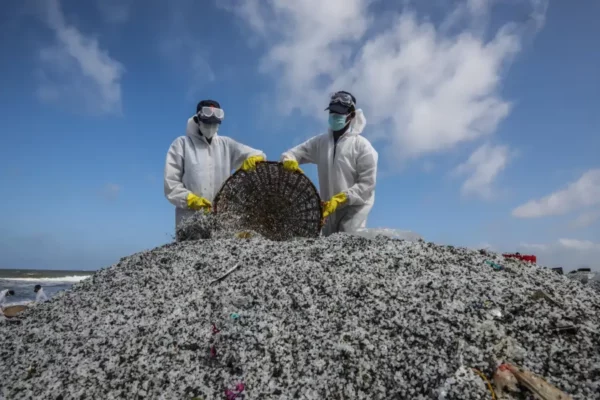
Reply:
x=40, y=296
x=346, y=163
x=200, y=162
x=4, y=294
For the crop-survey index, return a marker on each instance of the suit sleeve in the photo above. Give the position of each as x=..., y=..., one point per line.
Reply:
x=366, y=169
x=240, y=152
x=305, y=153
x=175, y=191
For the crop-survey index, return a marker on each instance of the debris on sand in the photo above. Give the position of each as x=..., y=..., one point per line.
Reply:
x=342, y=317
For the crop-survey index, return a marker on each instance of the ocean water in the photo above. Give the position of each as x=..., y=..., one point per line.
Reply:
x=22, y=281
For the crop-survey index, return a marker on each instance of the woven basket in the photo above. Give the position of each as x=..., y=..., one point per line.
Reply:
x=272, y=201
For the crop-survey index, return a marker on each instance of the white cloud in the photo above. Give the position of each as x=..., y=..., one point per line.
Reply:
x=566, y=253
x=483, y=166
x=429, y=87
x=586, y=219
x=578, y=244
x=75, y=70
x=585, y=192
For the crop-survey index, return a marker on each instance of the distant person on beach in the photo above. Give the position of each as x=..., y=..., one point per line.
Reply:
x=346, y=163
x=200, y=162
x=40, y=296
x=4, y=294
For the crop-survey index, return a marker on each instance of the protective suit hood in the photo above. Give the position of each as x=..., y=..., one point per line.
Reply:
x=357, y=126
x=192, y=130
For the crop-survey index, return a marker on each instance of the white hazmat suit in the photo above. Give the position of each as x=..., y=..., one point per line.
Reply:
x=197, y=166
x=3, y=294
x=40, y=297
x=350, y=166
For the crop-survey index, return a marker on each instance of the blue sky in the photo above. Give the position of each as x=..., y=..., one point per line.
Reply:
x=484, y=113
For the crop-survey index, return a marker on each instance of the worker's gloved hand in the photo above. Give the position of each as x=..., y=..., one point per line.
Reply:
x=292, y=165
x=243, y=235
x=198, y=203
x=330, y=206
x=250, y=163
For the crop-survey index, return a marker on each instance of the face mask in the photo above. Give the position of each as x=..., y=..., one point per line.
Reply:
x=208, y=130
x=337, y=122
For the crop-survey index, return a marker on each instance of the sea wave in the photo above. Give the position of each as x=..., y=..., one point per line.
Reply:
x=72, y=278
x=18, y=303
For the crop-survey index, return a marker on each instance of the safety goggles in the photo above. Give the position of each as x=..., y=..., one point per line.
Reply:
x=342, y=98
x=208, y=112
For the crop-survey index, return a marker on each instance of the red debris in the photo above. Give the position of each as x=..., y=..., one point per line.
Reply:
x=522, y=257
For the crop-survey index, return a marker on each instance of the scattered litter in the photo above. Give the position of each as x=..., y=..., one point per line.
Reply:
x=225, y=275
x=572, y=329
x=234, y=315
x=505, y=381
x=339, y=316
x=497, y=267
x=496, y=313
x=535, y=384
x=538, y=295
x=487, y=382
x=236, y=393
x=523, y=257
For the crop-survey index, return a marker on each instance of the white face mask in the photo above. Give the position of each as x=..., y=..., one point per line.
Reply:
x=208, y=130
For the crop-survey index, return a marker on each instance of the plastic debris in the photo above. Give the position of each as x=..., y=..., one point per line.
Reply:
x=496, y=313
x=571, y=329
x=539, y=295
x=528, y=258
x=234, y=315
x=535, y=384
x=225, y=275
x=505, y=381
x=236, y=393
x=487, y=382
x=365, y=319
x=497, y=267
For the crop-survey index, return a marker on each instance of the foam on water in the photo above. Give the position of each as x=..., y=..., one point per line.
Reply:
x=69, y=279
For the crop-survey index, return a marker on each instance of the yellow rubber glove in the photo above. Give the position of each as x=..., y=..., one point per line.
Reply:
x=243, y=235
x=250, y=163
x=330, y=206
x=292, y=165
x=198, y=203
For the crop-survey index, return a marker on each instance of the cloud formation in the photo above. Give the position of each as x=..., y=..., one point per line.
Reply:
x=75, y=71
x=483, y=166
x=583, y=193
x=586, y=219
x=428, y=87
